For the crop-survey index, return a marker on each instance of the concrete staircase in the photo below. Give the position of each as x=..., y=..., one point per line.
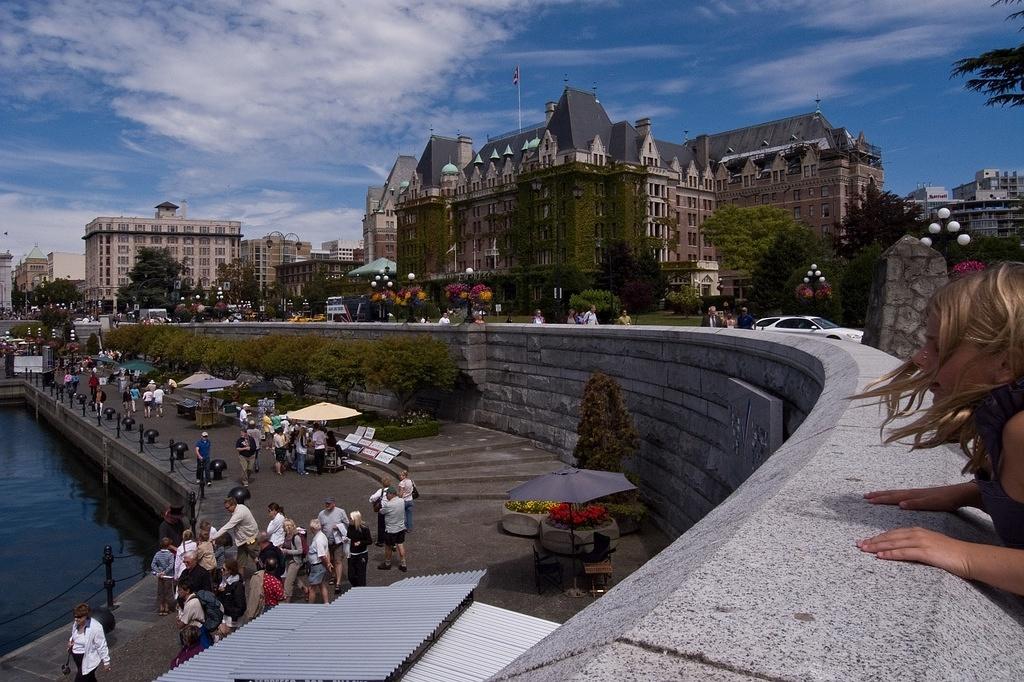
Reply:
x=470, y=462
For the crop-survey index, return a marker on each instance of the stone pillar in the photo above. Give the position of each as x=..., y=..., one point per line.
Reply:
x=906, y=276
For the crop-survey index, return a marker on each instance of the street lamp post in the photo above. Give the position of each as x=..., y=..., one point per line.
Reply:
x=383, y=283
x=284, y=241
x=814, y=279
x=412, y=299
x=469, y=297
x=945, y=233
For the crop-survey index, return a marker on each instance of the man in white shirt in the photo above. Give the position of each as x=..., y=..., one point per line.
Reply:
x=158, y=401
x=590, y=317
x=243, y=416
x=243, y=529
x=444, y=319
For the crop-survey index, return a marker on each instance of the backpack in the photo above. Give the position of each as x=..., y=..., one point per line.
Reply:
x=234, y=599
x=212, y=609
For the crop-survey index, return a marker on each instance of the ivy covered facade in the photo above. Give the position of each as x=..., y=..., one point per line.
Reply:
x=535, y=208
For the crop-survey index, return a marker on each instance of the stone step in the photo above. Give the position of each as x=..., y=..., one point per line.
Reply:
x=470, y=446
x=496, y=474
x=477, y=459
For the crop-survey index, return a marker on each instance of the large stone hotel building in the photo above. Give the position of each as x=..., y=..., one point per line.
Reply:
x=112, y=244
x=542, y=202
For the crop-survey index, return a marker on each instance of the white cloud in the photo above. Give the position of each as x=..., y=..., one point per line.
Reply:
x=830, y=68
x=266, y=211
x=598, y=55
x=225, y=76
x=31, y=219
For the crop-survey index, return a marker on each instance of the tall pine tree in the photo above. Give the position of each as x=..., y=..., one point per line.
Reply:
x=876, y=217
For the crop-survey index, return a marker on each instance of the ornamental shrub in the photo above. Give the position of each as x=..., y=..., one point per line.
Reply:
x=606, y=432
x=565, y=515
x=607, y=304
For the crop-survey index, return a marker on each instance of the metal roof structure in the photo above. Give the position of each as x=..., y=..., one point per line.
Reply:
x=463, y=578
x=480, y=643
x=316, y=642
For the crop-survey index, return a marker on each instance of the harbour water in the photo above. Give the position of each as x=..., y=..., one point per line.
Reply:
x=56, y=518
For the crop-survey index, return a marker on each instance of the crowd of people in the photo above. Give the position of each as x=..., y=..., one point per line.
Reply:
x=220, y=578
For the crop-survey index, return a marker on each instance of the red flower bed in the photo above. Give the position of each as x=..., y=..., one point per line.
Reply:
x=566, y=516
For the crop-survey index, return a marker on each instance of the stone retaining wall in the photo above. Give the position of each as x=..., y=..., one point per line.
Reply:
x=767, y=583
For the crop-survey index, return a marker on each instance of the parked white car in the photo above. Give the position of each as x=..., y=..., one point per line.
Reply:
x=808, y=324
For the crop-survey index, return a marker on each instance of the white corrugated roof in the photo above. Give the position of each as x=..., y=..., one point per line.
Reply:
x=463, y=578
x=319, y=640
x=481, y=642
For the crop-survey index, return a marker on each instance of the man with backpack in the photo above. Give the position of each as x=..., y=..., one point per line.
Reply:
x=201, y=610
x=246, y=448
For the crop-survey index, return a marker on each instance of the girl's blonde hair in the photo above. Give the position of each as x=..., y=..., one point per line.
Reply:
x=356, y=517
x=984, y=309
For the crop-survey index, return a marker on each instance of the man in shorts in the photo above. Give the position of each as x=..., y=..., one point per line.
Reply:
x=394, y=529
x=319, y=558
x=334, y=522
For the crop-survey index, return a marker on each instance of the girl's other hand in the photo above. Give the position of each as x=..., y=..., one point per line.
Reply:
x=943, y=498
x=922, y=546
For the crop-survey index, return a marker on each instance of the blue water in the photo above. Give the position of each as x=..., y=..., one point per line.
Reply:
x=56, y=518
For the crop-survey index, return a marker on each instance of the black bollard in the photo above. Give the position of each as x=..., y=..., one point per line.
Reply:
x=140, y=439
x=108, y=560
x=192, y=510
x=172, y=455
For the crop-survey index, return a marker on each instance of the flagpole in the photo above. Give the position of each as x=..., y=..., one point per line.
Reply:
x=519, y=95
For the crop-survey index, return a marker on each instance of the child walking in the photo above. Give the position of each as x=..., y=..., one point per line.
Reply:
x=972, y=361
x=162, y=567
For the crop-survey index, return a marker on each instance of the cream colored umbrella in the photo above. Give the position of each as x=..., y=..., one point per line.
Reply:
x=322, y=412
x=198, y=376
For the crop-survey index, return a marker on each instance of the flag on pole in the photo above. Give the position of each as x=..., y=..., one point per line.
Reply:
x=515, y=76
x=451, y=249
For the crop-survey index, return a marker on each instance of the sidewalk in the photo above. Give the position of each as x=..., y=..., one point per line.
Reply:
x=448, y=535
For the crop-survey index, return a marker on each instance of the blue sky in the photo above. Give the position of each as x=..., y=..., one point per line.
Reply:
x=279, y=113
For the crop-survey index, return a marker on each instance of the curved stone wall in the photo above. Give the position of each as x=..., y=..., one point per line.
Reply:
x=767, y=583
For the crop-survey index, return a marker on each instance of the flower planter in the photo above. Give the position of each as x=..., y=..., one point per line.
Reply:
x=559, y=540
x=521, y=523
x=627, y=525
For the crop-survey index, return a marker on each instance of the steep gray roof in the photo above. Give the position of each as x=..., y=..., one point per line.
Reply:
x=402, y=171
x=783, y=131
x=578, y=119
x=438, y=152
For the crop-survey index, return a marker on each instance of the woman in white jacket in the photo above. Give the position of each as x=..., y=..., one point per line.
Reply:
x=88, y=644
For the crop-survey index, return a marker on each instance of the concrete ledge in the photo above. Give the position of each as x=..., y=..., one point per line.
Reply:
x=769, y=585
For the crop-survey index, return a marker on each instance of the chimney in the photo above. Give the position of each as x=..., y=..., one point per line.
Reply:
x=643, y=127
x=702, y=150
x=464, y=155
x=549, y=111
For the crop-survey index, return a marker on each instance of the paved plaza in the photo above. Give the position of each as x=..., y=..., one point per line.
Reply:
x=453, y=530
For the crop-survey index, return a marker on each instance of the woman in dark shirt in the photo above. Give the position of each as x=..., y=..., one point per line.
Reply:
x=359, y=535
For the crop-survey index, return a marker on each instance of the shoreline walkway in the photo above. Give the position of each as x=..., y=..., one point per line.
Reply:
x=465, y=471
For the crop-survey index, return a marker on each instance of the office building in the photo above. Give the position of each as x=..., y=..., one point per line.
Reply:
x=991, y=183
x=267, y=252
x=31, y=270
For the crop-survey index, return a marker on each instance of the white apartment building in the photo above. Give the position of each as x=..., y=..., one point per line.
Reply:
x=112, y=244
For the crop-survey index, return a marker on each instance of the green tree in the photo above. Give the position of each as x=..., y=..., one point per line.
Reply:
x=606, y=303
x=876, y=217
x=291, y=358
x=686, y=301
x=988, y=250
x=743, y=235
x=856, y=285
x=239, y=281
x=631, y=271
x=790, y=252
x=152, y=279
x=340, y=365
x=92, y=344
x=321, y=287
x=223, y=357
x=407, y=366
x=18, y=298
x=999, y=73
x=56, y=292
x=607, y=436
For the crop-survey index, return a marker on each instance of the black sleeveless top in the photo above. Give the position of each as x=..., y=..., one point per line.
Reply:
x=990, y=417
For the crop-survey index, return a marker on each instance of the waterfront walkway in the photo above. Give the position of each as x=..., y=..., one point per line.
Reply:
x=454, y=530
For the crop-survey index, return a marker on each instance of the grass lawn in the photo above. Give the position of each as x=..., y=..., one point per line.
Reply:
x=657, y=318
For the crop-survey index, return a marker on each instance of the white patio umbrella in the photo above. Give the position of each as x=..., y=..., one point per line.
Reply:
x=322, y=412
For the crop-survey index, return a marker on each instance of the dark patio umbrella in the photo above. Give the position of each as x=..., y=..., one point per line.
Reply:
x=211, y=384
x=575, y=486
x=572, y=485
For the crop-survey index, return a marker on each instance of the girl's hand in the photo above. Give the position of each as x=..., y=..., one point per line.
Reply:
x=923, y=546
x=943, y=498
